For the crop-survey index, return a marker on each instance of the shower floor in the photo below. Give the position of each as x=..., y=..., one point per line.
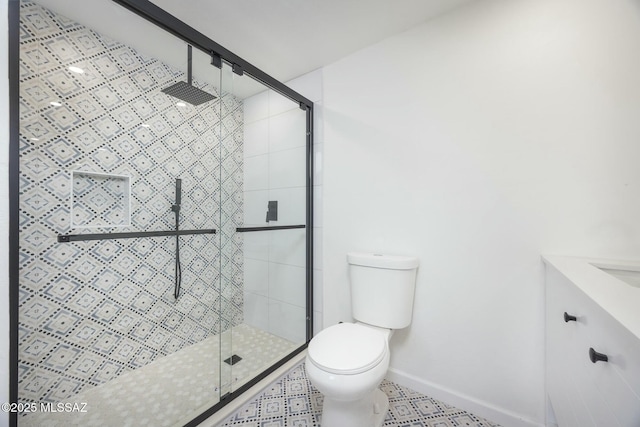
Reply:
x=169, y=391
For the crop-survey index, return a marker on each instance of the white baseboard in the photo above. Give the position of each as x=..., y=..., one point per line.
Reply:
x=467, y=403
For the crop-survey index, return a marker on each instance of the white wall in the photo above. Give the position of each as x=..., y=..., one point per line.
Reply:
x=478, y=141
x=274, y=169
x=4, y=213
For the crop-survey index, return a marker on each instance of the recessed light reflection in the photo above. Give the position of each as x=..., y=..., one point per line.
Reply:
x=55, y=104
x=77, y=70
x=144, y=125
x=181, y=104
x=35, y=139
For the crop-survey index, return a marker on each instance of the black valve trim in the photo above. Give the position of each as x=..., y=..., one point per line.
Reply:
x=594, y=356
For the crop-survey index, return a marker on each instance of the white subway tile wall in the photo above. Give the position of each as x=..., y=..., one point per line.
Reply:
x=275, y=130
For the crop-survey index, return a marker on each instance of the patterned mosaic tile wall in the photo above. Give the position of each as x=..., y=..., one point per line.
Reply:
x=90, y=311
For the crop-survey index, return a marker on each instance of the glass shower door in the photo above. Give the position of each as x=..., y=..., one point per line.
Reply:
x=163, y=247
x=263, y=227
x=108, y=158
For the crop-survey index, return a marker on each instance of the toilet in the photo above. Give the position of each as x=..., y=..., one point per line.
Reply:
x=346, y=362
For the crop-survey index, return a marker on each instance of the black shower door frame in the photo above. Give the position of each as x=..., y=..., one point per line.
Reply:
x=219, y=54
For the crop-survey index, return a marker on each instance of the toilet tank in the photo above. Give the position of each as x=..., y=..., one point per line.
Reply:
x=382, y=288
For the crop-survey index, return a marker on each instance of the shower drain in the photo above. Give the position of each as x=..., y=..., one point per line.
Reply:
x=233, y=360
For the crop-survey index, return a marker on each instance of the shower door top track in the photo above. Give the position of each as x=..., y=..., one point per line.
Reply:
x=178, y=28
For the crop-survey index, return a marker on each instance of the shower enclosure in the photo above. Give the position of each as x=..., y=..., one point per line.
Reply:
x=162, y=237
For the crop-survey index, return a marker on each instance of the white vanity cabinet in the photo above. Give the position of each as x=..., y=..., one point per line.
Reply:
x=592, y=359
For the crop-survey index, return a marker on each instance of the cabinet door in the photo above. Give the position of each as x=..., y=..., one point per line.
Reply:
x=580, y=368
x=617, y=381
x=586, y=393
x=565, y=395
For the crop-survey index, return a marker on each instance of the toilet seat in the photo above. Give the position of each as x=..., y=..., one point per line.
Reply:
x=347, y=349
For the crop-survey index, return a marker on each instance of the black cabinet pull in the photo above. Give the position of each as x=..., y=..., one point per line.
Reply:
x=569, y=318
x=594, y=356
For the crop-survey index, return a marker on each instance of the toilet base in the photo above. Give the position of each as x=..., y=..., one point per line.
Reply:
x=369, y=411
x=380, y=407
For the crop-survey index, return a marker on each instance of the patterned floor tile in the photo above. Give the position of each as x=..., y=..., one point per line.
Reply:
x=272, y=407
x=292, y=401
x=183, y=383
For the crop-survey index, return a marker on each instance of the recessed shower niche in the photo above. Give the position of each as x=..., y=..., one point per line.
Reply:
x=100, y=200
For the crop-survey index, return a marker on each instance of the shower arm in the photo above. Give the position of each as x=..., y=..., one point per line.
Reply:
x=189, y=63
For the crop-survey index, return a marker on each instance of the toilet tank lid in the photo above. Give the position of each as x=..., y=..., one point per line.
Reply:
x=393, y=262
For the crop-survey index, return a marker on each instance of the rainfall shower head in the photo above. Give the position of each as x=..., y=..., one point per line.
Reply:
x=188, y=93
x=185, y=91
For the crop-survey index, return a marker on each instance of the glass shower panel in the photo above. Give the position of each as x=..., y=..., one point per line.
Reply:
x=264, y=234
x=287, y=248
x=229, y=170
x=120, y=180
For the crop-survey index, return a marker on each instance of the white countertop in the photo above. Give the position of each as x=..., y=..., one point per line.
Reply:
x=619, y=299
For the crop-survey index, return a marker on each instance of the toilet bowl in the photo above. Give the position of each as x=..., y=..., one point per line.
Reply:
x=346, y=363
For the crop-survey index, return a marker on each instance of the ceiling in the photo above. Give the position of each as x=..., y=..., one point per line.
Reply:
x=284, y=38
x=288, y=38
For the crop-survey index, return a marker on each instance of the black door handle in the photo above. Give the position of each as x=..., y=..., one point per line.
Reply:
x=569, y=318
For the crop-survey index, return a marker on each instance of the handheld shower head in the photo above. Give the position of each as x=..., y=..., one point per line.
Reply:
x=176, y=207
x=178, y=267
x=178, y=191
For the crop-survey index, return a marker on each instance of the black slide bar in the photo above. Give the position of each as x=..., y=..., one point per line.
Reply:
x=275, y=227
x=63, y=238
